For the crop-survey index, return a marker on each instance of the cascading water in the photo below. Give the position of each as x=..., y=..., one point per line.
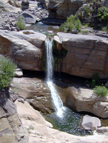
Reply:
x=57, y=102
x=63, y=118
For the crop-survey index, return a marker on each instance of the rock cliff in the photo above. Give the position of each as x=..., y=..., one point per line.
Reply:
x=85, y=56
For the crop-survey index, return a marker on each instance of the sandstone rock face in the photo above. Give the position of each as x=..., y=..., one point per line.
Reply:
x=90, y=123
x=62, y=8
x=85, y=56
x=40, y=132
x=29, y=113
x=11, y=129
x=25, y=48
x=35, y=92
x=85, y=100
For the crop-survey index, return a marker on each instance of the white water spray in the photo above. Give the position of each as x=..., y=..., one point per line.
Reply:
x=57, y=102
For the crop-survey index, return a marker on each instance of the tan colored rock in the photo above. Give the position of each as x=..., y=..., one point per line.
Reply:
x=29, y=113
x=83, y=99
x=11, y=129
x=40, y=132
x=85, y=56
x=25, y=53
x=35, y=92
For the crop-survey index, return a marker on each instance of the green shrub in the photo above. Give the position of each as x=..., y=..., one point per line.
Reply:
x=103, y=13
x=7, y=68
x=72, y=22
x=20, y=23
x=87, y=10
x=101, y=18
x=101, y=90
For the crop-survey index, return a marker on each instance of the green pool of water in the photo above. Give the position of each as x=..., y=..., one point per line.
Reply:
x=69, y=122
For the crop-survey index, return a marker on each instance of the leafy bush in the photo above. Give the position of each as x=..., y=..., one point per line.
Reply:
x=102, y=13
x=7, y=68
x=101, y=90
x=72, y=22
x=101, y=18
x=20, y=23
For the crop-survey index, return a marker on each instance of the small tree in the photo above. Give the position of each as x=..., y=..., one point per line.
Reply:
x=72, y=22
x=20, y=23
x=7, y=68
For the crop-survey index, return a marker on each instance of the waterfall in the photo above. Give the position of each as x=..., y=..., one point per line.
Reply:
x=56, y=100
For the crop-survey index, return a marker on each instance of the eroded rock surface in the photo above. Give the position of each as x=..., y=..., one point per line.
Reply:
x=40, y=131
x=25, y=48
x=85, y=56
x=35, y=91
x=11, y=128
x=83, y=99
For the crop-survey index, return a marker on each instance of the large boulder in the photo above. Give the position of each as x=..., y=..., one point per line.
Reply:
x=25, y=48
x=29, y=18
x=85, y=56
x=84, y=100
x=35, y=92
x=62, y=8
x=90, y=123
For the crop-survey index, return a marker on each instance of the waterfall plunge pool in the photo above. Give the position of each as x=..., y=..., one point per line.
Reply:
x=69, y=122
